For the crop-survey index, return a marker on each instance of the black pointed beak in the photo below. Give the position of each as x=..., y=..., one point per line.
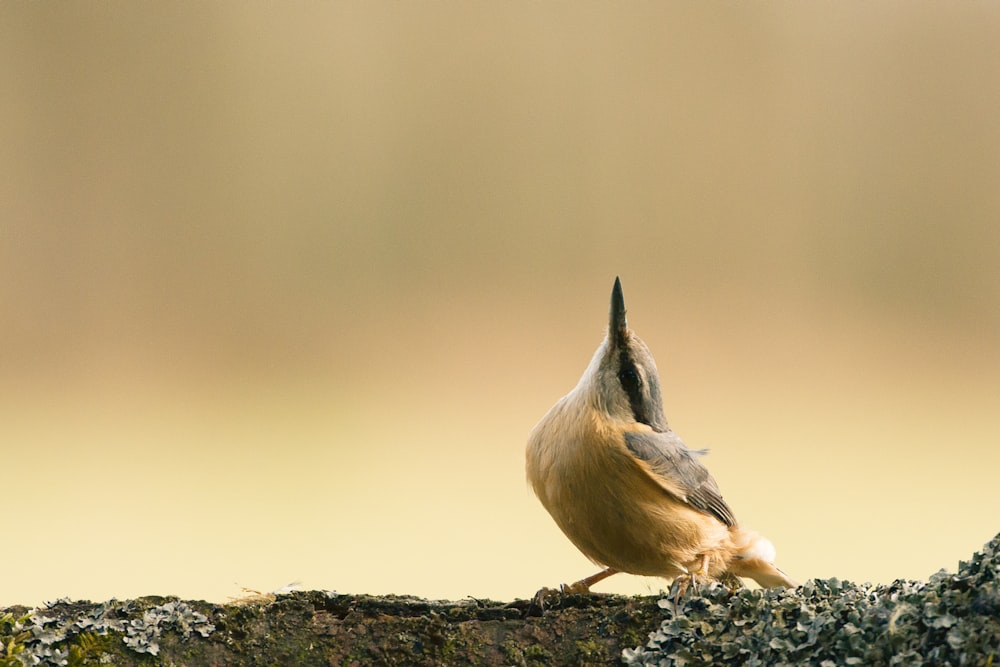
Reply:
x=617, y=324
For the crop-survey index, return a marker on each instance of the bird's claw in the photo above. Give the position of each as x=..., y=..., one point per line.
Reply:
x=581, y=587
x=543, y=597
x=548, y=597
x=731, y=581
x=683, y=583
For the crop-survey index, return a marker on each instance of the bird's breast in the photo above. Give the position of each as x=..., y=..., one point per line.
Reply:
x=606, y=502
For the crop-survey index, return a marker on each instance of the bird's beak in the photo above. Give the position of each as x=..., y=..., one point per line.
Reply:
x=617, y=325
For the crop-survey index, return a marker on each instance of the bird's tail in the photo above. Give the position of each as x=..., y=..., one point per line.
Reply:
x=755, y=559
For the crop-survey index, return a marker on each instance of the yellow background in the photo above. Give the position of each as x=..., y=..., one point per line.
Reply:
x=284, y=286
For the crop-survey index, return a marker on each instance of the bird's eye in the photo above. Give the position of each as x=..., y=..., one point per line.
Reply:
x=629, y=378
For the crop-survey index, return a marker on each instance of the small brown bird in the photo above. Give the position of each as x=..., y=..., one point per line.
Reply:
x=624, y=488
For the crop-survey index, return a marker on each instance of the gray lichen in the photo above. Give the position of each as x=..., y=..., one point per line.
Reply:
x=951, y=619
x=46, y=639
x=143, y=634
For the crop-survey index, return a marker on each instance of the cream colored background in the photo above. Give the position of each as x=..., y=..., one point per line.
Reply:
x=284, y=286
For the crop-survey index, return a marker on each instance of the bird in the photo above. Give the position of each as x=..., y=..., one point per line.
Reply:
x=623, y=486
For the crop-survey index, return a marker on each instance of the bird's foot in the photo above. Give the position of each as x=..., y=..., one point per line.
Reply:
x=683, y=582
x=545, y=597
x=552, y=597
x=681, y=586
x=549, y=596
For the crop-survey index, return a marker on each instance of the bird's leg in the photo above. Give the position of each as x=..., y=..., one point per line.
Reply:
x=703, y=571
x=577, y=588
x=583, y=586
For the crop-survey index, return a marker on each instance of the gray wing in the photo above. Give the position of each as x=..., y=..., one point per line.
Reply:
x=679, y=472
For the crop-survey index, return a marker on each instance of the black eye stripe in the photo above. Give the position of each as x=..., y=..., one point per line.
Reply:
x=631, y=381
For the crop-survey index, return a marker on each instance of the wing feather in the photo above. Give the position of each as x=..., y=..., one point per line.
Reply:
x=678, y=471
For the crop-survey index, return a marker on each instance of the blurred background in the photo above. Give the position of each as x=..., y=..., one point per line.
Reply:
x=284, y=287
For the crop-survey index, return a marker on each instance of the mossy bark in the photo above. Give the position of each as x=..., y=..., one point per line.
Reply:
x=318, y=628
x=952, y=619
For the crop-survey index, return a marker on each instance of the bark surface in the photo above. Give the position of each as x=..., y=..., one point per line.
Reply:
x=953, y=618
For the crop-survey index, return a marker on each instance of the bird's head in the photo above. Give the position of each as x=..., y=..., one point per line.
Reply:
x=622, y=378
